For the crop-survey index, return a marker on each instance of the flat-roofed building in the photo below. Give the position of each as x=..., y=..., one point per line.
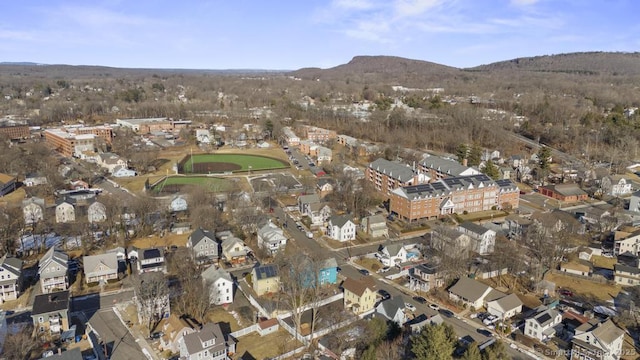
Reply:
x=74, y=140
x=149, y=125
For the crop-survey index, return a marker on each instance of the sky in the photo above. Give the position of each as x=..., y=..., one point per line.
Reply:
x=292, y=34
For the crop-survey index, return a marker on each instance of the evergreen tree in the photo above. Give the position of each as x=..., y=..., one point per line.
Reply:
x=434, y=342
x=472, y=352
x=495, y=351
x=475, y=156
x=462, y=151
x=491, y=170
x=544, y=157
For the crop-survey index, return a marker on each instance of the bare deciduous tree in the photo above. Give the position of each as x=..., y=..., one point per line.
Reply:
x=152, y=297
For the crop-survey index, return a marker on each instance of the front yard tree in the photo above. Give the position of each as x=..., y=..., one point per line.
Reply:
x=544, y=161
x=434, y=342
x=152, y=297
x=472, y=352
x=496, y=351
x=491, y=170
x=462, y=152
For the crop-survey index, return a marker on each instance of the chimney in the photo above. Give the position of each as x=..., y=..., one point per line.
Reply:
x=464, y=162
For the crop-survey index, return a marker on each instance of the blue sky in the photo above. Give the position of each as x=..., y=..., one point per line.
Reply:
x=290, y=34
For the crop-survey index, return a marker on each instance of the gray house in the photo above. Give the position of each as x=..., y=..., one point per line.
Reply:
x=100, y=268
x=51, y=312
x=207, y=344
x=204, y=245
x=11, y=278
x=53, y=270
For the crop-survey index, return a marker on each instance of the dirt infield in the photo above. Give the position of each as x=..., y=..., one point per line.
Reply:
x=215, y=167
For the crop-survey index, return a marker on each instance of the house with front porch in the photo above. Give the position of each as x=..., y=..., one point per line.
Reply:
x=319, y=213
x=359, y=295
x=616, y=185
x=392, y=310
x=597, y=340
x=207, y=343
x=542, y=325
x=505, y=307
x=483, y=240
x=425, y=277
x=220, y=285
x=204, y=246
x=53, y=270
x=50, y=313
x=100, y=268
x=341, y=228
x=151, y=260
x=234, y=250
x=271, y=238
x=10, y=278
x=392, y=254
x=472, y=293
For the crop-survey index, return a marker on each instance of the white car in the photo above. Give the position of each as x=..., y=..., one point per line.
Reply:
x=434, y=307
x=409, y=307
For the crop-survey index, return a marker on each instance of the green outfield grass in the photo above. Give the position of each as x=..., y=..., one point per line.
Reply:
x=244, y=161
x=216, y=184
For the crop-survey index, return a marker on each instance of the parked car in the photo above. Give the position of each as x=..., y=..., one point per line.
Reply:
x=409, y=307
x=485, y=332
x=309, y=234
x=384, y=270
x=447, y=313
x=385, y=294
x=364, y=272
x=156, y=335
x=420, y=299
x=490, y=320
x=434, y=307
x=565, y=292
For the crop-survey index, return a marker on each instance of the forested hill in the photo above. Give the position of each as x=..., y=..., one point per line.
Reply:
x=381, y=68
x=589, y=63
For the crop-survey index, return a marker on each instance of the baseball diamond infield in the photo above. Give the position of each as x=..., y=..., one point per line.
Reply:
x=221, y=163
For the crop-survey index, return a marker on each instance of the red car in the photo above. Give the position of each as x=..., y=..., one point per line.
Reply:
x=565, y=292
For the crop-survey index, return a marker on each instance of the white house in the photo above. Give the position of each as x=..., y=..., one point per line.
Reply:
x=616, y=185
x=150, y=260
x=271, y=238
x=341, y=228
x=393, y=310
x=203, y=136
x=11, y=269
x=542, y=325
x=319, y=213
x=65, y=212
x=597, y=340
x=208, y=343
x=392, y=254
x=33, y=210
x=634, y=202
x=483, y=240
x=110, y=161
x=473, y=293
x=96, y=212
x=220, y=285
x=178, y=203
x=505, y=307
x=122, y=171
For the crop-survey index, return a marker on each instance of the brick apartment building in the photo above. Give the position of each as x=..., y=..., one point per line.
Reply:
x=69, y=141
x=317, y=134
x=14, y=132
x=453, y=195
x=387, y=175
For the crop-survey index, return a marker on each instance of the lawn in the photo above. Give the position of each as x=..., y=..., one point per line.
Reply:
x=254, y=346
x=601, y=291
x=215, y=184
x=154, y=240
x=603, y=262
x=245, y=161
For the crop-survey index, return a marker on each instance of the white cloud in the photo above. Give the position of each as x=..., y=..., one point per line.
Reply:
x=406, y=8
x=524, y=2
x=353, y=4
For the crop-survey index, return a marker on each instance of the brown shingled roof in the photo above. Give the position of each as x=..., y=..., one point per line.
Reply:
x=358, y=287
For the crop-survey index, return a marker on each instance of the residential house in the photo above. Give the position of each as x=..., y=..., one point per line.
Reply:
x=7, y=184
x=100, y=268
x=616, y=185
x=208, y=343
x=627, y=274
x=505, y=307
x=53, y=270
x=634, y=202
x=328, y=272
x=602, y=341
x=318, y=213
x=416, y=324
x=324, y=186
x=626, y=242
x=392, y=254
x=387, y=175
x=220, y=285
x=33, y=210
x=96, y=212
x=151, y=260
x=110, y=161
x=178, y=203
x=305, y=201
x=543, y=324
x=121, y=253
x=515, y=225
x=265, y=279
x=580, y=267
x=558, y=221
x=290, y=137
x=341, y=228
x=569, y=193
x=271, y=238
x=204, y=246
x=234, y=251
x=472, y=293
x=65, y=211
x=34, y=179
x=69, y=354
x=451, y=241
x=174, y=328
x=122, y=171
x=359, y=295
x=10, y=278
x=483, y=240
x=375, y=226
x=393, y=310
x=317, y=171
x=425, y=277
x=50, y=312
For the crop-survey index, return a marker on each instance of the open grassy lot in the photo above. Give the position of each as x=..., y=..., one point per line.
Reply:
x=167, y=240
x=243, y=162
x=254, y=346
x=603, y=262
x=601, y=291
